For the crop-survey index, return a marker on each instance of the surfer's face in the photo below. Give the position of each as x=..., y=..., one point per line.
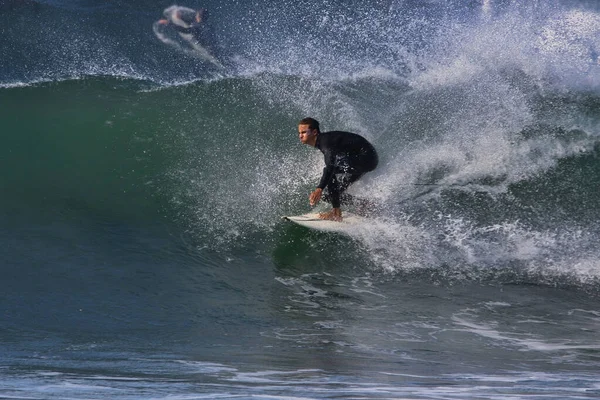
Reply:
x=306, y=134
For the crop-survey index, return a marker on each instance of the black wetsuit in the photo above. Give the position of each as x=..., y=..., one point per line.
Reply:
x=348, y=156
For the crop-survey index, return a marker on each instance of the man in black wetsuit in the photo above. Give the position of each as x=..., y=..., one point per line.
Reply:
x=348, y=156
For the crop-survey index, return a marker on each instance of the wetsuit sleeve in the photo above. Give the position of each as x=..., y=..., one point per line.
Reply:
x=327, y=171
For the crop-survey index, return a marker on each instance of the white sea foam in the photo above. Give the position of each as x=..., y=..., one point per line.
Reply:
x=465, y=115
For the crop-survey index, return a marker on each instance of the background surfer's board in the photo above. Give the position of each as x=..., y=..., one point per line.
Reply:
x=312, y=221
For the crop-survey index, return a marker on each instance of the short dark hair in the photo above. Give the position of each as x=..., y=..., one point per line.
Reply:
x=311, y=122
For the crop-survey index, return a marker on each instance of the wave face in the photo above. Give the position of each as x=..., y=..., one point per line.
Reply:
x=486, y=119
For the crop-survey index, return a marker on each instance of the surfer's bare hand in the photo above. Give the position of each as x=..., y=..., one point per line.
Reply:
x=315, y=197
x=163, y=21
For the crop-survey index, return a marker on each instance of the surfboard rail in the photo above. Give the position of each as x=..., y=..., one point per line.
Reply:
x=312, y=221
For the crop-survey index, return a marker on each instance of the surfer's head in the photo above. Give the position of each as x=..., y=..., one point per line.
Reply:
x=308, y=129
x=311, y=122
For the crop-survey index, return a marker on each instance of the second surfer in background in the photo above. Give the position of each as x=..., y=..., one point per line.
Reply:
x=348, y=157
x=189, y=31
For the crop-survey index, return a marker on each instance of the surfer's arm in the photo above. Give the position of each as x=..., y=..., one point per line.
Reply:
x=326, y=177
x=328, y=170
x=315, y=196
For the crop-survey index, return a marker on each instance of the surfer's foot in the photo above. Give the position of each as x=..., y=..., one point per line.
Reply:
x=333, y=215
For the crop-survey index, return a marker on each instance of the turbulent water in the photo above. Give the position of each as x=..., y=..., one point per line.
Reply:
x=143, y=255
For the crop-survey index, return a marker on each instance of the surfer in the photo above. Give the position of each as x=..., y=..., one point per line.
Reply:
x=348, y=156
x=185, y=20
x=193, y=28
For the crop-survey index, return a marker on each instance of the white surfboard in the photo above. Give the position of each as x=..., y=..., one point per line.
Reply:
x=312, y=221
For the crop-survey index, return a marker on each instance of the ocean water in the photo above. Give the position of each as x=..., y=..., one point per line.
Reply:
x=142, y=251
